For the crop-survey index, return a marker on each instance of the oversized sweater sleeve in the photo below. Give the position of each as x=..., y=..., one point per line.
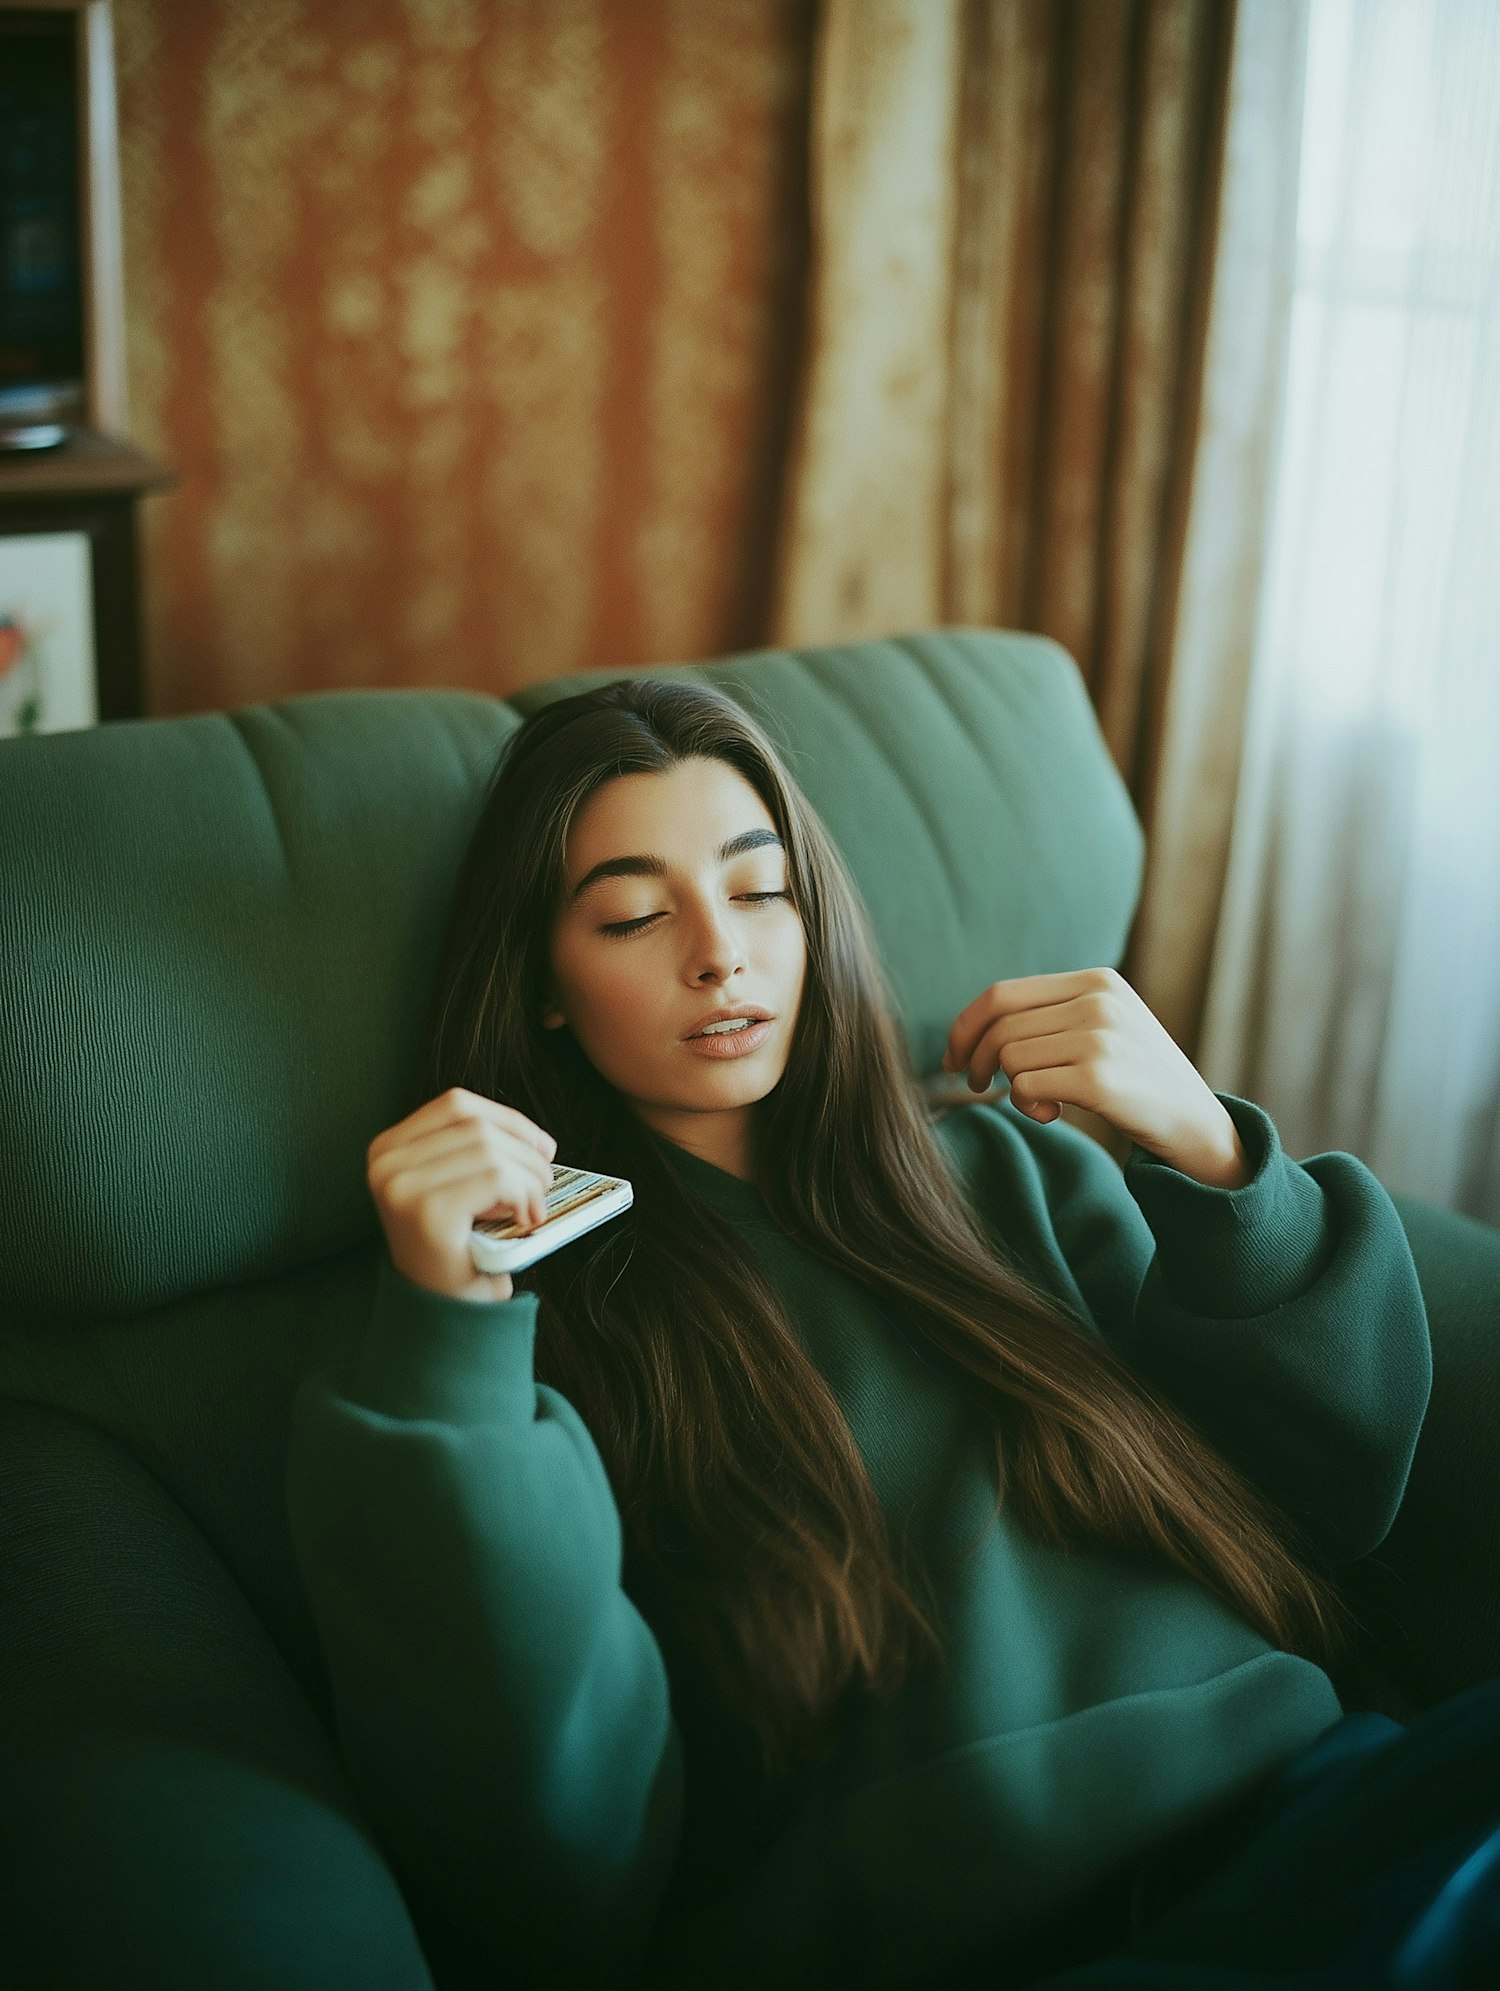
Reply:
x=1284, y=1316
x=502, y=1707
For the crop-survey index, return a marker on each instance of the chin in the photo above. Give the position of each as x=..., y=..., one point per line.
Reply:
x=724, y=1086
x=728, y=1087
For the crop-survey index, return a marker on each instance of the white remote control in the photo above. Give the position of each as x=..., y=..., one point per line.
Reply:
x=577, y=1200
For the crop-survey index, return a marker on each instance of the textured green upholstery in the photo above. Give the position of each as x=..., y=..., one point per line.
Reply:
x=217, y=936
x=216, y=933
x=1429, y=1595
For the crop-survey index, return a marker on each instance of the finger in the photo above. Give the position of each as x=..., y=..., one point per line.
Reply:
x=1064, y=1032
x=1056, y=1086
x=460, y=1137
x=503, y=1212
x=1074, y=1020
x=1034, y=1054
x=444, y=1111
x=1085, y=1012
x=457, y=1105
x=528, y=1211
x=512, y=1181
x=1008, y=998
x=448, y=1139
x=453, y=1202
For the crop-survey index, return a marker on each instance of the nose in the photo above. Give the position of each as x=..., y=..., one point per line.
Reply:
x=717, y=950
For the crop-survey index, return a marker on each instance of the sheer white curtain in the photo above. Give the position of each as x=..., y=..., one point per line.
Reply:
x=1355, y=986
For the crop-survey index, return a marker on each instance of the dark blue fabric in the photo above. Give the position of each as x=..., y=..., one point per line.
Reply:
x=1371, y=1862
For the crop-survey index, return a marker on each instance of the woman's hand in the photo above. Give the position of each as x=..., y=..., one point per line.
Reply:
x=1087, y=1039
x=459, y=1157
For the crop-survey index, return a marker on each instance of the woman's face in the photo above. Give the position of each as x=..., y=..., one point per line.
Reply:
x=675, y=904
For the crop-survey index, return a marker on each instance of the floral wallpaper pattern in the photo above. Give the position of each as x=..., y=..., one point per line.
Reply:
x=469, y=326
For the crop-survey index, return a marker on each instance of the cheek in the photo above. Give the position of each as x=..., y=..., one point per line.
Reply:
x=795, y=952
x=611, y=993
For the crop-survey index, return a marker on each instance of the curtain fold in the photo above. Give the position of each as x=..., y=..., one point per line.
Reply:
x=860, y=537
x=1199, y=731
x=1016, y=221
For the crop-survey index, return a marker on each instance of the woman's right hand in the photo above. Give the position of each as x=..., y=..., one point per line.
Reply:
x=459, y=1157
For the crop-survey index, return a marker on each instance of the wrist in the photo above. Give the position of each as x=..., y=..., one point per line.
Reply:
x=1220, y=1162
x=445, y=1283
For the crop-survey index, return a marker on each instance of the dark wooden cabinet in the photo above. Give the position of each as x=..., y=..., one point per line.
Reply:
x=92, y=485
x=62, y=360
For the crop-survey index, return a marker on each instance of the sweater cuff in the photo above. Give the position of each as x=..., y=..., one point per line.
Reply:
x=1231, y=1254
x=426, y=1355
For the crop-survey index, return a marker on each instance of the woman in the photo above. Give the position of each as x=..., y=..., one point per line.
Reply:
x=890, y=1554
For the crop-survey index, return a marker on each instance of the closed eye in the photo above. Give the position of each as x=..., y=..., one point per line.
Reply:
x=621, y=927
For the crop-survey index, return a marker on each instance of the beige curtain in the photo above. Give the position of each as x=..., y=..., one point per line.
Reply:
x=1355, y=989
x=1041, y=371
x=1206, y=677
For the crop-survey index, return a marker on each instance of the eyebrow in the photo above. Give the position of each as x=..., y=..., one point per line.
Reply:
x=644, y=866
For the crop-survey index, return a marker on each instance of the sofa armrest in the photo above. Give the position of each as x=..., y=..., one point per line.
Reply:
x=1427, y=1595
x=174, y=1813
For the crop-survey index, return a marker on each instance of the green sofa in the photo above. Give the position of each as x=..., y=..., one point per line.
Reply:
x=216, y=940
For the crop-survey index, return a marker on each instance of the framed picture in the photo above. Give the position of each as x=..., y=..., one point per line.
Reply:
x=47, y=680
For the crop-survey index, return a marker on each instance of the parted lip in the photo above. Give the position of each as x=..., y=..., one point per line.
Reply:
x=727, y=1015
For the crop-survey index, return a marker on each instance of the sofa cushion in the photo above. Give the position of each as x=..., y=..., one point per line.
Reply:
x=216, y=939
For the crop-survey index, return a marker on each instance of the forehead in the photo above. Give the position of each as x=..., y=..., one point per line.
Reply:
x=682, y=814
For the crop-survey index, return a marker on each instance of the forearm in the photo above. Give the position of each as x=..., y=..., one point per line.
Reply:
x=502, y=1707
x=1285, y=1316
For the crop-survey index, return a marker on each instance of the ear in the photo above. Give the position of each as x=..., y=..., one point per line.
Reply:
x=553, y=1018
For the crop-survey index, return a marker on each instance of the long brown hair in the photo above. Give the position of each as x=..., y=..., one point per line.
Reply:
x=747, y=1511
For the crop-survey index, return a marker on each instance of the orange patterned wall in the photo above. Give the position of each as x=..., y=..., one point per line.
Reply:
x=469, y=327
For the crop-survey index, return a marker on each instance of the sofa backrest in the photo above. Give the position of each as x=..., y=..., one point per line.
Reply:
x=217, y=938
x=217, y=932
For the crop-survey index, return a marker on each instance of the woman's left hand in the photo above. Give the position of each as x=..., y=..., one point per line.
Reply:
x=1086, y=1039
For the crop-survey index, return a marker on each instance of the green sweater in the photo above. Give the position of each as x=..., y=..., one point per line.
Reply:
x=549, y=1773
